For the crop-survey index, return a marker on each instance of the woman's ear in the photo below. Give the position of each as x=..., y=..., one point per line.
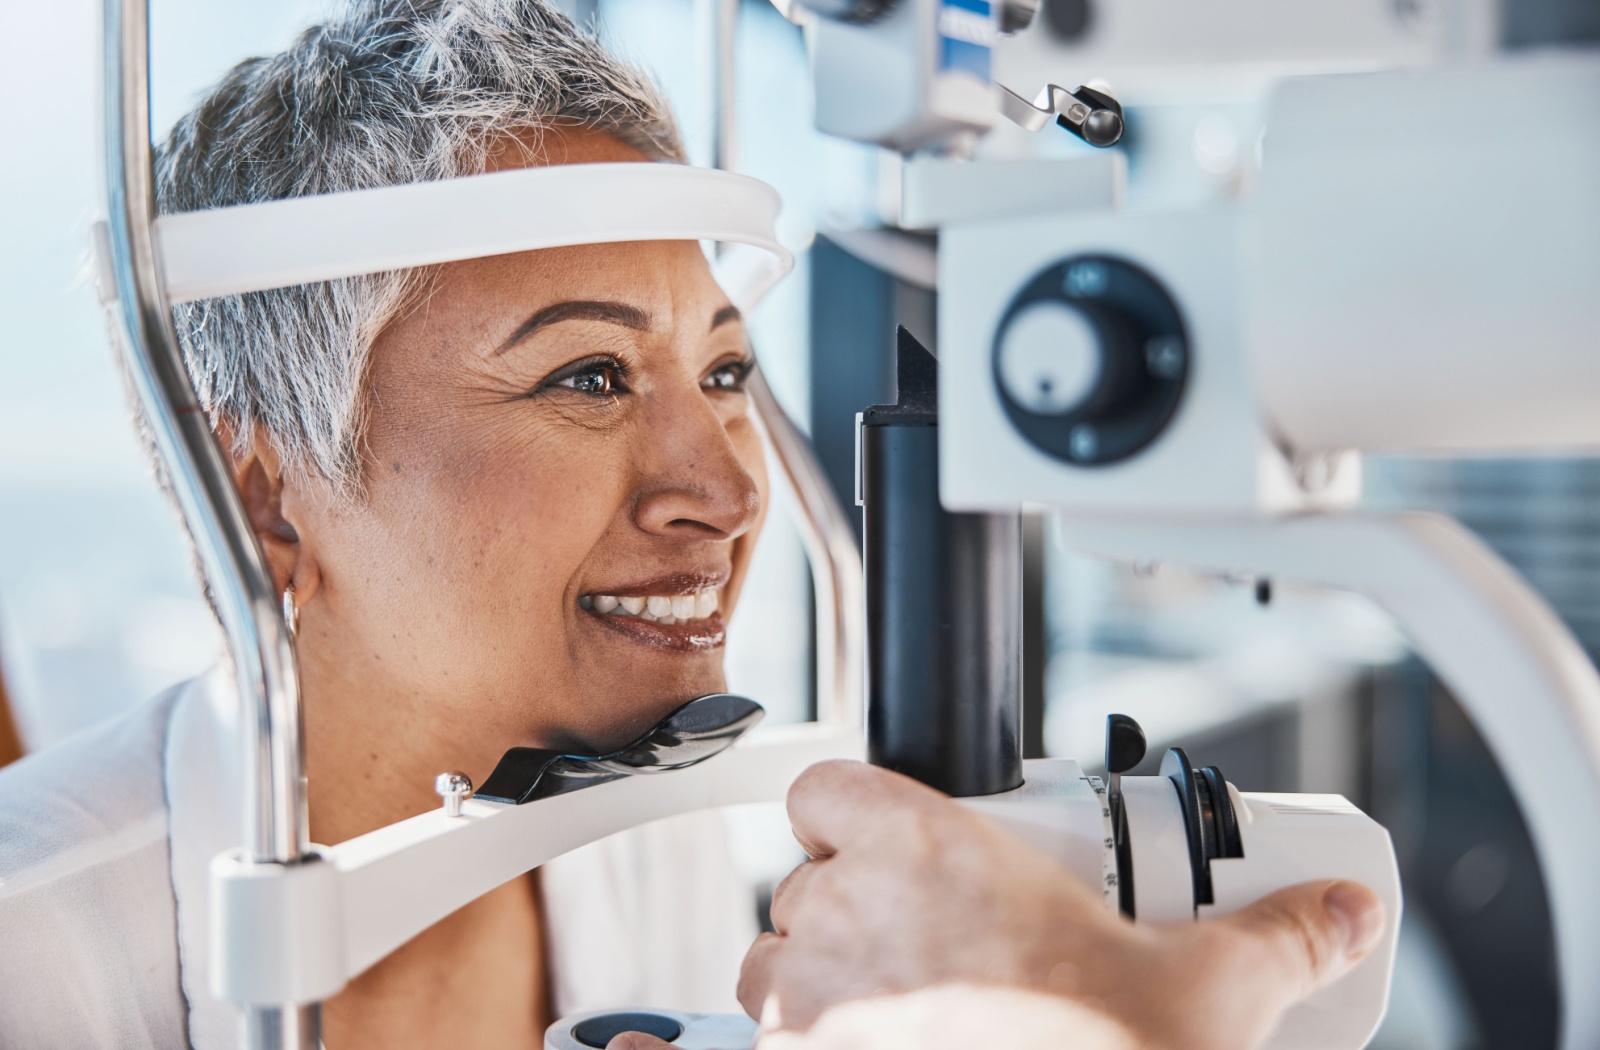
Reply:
x=258, y=471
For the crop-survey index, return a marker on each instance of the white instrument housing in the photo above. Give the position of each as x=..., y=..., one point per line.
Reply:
x=1381, y=291
x=1288, y=839
x=1402, y=280
x=918, y=75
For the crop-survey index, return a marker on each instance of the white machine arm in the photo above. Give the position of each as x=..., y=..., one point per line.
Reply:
x=1518, y=672
x=298, y=933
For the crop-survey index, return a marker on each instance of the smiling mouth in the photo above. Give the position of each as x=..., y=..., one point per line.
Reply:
x=668, y=609
x=686, y=619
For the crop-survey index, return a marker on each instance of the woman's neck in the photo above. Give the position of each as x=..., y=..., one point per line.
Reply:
x=477, y=977
x=374, y=745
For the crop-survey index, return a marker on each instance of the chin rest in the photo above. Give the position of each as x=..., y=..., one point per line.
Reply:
x=691, y=734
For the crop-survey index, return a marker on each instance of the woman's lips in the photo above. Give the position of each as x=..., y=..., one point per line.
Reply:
x=676, y=612
x=693, y=636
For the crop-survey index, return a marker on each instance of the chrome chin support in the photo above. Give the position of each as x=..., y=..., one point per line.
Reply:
x=836, y=572
x=198, y=474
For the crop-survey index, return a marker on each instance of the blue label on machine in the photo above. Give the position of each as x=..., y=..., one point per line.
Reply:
x=966, y=33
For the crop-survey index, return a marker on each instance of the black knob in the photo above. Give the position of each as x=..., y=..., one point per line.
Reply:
x=1091, y=360
x=1125, y=743
x=1067, y=20
x=1017, y=15
x=1102, y=128
x=599, y=1031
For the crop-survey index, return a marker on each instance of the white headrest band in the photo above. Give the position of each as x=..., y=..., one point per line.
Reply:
x=275, y=244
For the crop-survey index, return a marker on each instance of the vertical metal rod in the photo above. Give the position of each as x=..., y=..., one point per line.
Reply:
x=201, y=479
x=835, y=564
x=719, y=23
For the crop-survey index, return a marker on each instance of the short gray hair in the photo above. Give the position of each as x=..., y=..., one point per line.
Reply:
x=386, y=92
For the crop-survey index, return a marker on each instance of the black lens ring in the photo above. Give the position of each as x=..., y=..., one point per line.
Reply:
x=1175, y=766
x=1225, y=821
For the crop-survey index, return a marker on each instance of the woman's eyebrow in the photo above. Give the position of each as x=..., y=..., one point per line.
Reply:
x=580, y=310
x=725, y=315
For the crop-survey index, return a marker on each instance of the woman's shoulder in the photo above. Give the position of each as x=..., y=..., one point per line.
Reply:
x=86, y=905
x=89, y=798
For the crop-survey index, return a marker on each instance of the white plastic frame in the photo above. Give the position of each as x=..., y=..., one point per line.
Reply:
x=299, y=240
x=297, y=933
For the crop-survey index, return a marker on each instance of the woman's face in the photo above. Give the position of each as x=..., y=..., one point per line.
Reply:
x=563, y=486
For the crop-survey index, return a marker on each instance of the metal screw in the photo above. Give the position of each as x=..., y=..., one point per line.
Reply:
x=1087, y=278
x=1313, y=473
x=454, y=788
x=1163, y=356
x=1084, y=441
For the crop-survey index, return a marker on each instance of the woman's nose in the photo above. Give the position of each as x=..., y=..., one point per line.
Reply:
x=695, y=485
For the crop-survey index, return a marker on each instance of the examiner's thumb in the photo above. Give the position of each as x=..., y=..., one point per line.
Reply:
x=1310, y=935
x=636, y=1041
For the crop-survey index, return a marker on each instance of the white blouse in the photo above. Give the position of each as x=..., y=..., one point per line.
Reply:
x=106, y=842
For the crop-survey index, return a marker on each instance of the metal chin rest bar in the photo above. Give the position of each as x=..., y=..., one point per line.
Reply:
x=292, y=924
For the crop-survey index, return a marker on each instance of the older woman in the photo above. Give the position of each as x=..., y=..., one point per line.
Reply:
x=509, y=500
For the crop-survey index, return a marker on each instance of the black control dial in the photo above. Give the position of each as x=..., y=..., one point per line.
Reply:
x=1091, y=360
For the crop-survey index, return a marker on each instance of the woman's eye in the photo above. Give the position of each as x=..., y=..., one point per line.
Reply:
x=730, y=376
x=598, y=380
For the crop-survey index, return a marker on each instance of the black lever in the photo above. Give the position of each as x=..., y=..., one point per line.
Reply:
x=1125, y=745
x=690, y=735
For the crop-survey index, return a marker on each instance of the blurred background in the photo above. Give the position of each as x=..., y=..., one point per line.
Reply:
x=1312, y=691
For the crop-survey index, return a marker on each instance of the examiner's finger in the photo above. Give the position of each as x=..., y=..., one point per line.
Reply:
x=755, y=973
x=1303, y=938
x=789, y=894
x=835, y=802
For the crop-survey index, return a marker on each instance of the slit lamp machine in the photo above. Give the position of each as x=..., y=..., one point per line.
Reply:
x=1193, y=386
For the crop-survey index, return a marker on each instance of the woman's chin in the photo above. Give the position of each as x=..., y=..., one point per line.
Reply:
x=638, y=672
x=630, y=706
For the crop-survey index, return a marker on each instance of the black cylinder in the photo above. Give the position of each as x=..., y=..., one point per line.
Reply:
x=944, y=607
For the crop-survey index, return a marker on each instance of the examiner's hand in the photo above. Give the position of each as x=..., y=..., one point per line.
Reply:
x=909, y=890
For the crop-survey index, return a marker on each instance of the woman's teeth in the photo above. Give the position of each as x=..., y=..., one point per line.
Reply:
x=657, y=608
